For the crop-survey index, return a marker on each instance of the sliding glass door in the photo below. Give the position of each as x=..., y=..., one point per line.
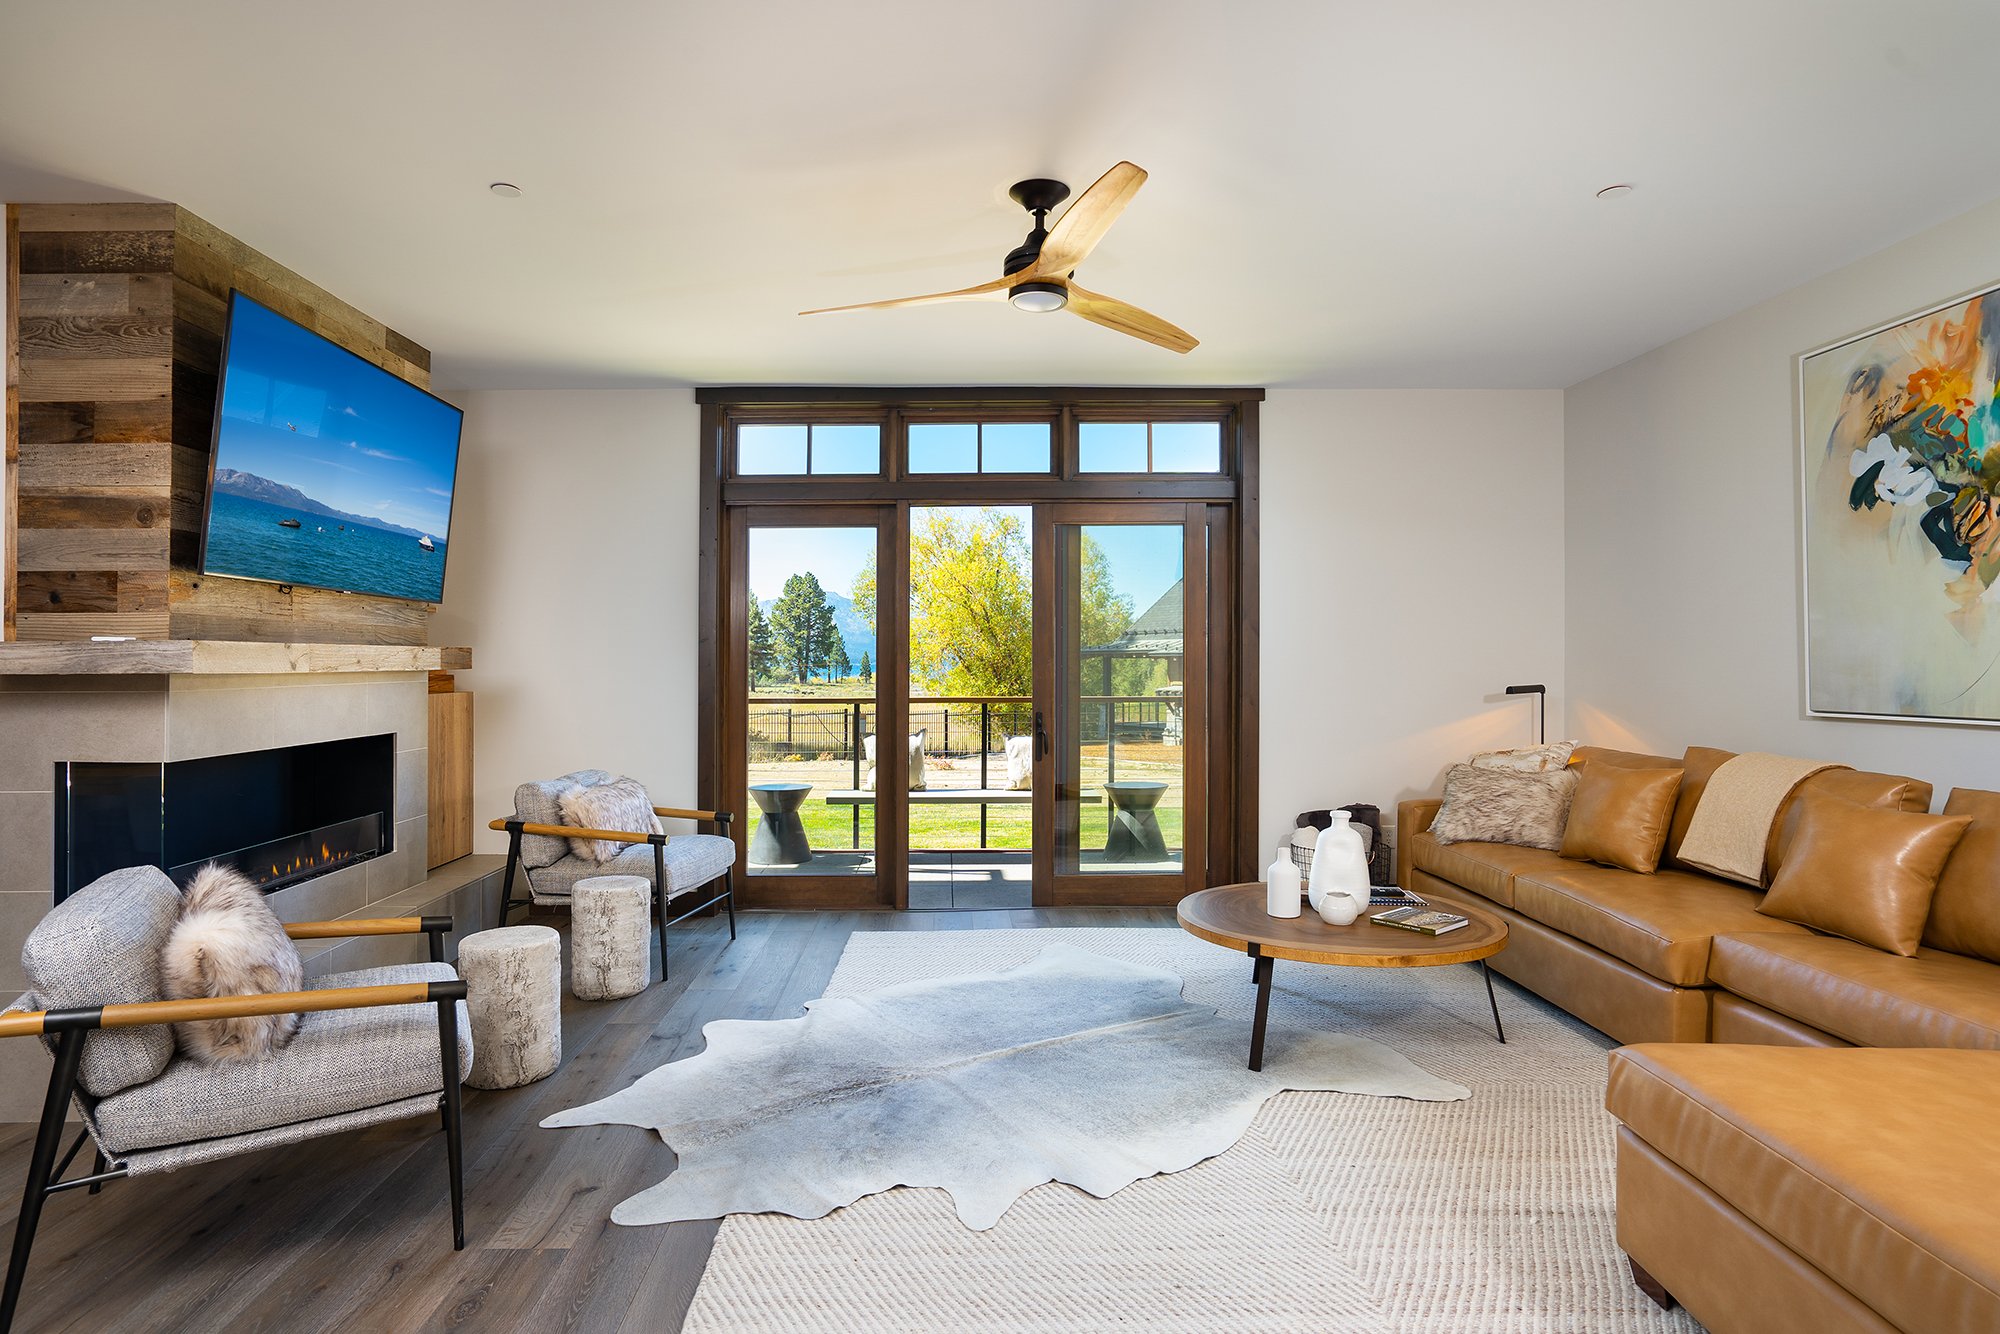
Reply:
x=1124, y=601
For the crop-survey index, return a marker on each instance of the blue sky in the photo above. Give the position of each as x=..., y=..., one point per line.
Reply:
x=1145, y=558
x=298, y=410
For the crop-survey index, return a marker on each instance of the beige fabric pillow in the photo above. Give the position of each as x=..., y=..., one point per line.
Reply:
x=1527, y=759
x=1020, y=763
x=918, y=739
x=1863, y=872
x=621, y=806
x=1484, y=805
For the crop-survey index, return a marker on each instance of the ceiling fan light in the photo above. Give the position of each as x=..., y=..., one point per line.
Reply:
x=1040, y=297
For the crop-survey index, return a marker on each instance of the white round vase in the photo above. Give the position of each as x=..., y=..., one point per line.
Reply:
x=1339, y=872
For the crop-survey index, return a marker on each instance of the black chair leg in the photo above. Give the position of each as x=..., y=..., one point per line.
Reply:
x=660, y=897
x=507, y=881
x=48, y=1142
x=453, y=1132
x=729, y=889
x=98, y=1169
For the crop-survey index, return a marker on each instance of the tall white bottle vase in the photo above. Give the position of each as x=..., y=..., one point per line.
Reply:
x=1281, y=883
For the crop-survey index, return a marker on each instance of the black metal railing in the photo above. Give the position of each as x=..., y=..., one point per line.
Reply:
x=801, y=728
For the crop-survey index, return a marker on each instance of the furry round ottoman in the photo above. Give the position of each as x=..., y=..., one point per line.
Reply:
x=513, y=984
x=610, y=949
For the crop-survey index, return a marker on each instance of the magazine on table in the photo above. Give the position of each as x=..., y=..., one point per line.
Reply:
x=1429, y=921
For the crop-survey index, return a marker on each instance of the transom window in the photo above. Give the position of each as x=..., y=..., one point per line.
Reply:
x=1165, y=446
x=963, y=447
x=820, y=449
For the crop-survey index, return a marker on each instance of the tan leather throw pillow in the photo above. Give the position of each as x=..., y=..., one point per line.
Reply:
x=1863, y=872
x=1620, y=816
x=1965, y=915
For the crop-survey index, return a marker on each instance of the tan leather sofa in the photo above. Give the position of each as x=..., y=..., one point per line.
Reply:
x=1775, y=1191
x=1680, y=956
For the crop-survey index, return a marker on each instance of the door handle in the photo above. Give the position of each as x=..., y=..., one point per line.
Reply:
x=1041, y=737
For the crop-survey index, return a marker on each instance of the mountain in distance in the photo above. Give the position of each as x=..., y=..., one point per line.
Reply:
x=856, y=633
x=250, y=486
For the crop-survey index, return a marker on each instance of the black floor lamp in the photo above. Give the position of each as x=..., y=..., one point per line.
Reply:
x=1541, y=694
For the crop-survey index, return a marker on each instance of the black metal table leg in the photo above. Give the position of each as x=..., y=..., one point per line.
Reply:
x=1487, y=973
x=1260, y=969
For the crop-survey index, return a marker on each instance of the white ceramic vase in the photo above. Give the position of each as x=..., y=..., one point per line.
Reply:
x=1281, y=882
x=1339, y=873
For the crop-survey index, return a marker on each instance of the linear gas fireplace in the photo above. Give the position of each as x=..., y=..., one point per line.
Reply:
x=279, y=816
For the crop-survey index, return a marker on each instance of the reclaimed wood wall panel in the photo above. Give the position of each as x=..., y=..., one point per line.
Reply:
x=114, y=343
x=10, y=459
x=91, y=448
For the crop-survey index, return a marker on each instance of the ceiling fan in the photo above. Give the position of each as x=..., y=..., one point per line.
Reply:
x=1037, y=273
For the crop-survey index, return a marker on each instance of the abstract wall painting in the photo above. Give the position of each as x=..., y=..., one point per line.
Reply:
x=1900, y=439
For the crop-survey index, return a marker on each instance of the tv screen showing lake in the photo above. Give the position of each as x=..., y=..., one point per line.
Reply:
x=259, y=540
x=329, y=471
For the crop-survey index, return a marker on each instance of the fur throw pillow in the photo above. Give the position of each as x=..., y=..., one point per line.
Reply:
x=1484, y=805
x=1527, y=759
x=228, y=942
x=621, y=806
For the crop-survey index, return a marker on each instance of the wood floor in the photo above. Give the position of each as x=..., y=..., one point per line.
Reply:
x=353, y=1232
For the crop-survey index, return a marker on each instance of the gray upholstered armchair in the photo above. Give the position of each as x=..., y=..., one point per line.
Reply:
x=375, y=1045
x=676, y=865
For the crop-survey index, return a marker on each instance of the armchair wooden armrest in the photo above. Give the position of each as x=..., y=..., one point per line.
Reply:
x=34, y=1023
x=682, y=813
x=366, y=926
x=574, y=831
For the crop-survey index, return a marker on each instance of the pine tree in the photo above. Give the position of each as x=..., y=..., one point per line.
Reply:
x=867, y=670
x=763, y=655
x=802, y=625
x=838, y=667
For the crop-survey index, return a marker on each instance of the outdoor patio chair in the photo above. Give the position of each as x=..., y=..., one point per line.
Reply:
x=369, y=1050
x=676, y=865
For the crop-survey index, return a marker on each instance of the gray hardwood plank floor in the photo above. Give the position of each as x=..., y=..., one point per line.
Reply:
x=352, y=1232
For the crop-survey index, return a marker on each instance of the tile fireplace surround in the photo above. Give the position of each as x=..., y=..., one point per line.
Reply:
x=154, y=719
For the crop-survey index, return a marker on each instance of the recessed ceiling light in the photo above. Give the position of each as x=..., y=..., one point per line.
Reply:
x=508, y=190
x=1608, y=192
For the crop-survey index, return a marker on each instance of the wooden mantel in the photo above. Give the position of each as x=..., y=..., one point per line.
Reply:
x=220, y=657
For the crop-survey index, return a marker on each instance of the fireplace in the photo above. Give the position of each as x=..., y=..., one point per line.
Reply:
x=279, y=816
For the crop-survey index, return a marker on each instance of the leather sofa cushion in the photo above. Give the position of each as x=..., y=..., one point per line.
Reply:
x=1863, y=872
x=1863, y=789
x=1487, y=869
x=1620, y=816
x=1965, y=914
x=1624, y=759
x=1860, y=994
x=1870, y=1165
x=1660, y=924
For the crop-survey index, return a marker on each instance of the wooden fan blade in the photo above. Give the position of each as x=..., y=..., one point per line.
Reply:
x=1115, y=314
x=993, y=291
x=1084, y=224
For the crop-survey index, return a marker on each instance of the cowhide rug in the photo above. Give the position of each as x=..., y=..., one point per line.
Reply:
x=1071, y=1067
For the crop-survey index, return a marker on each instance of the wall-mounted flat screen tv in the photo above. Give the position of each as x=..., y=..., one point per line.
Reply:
x=326, y=471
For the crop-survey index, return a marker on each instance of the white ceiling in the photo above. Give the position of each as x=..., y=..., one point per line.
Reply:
x=1355, y=194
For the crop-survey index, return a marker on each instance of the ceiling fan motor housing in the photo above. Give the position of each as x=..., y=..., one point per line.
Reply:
x=1038, y=195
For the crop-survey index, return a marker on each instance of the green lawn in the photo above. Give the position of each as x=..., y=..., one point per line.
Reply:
x=831, y=828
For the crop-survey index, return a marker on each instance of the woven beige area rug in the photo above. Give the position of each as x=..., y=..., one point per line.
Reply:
x=1334, y=1214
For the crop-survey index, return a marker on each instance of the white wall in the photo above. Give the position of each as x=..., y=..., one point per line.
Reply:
x=1412, y=557
x=575, y=551
x=1683, y=528
x=1412, y=564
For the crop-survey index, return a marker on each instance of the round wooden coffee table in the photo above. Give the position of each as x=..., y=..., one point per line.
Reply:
x=1233, y=916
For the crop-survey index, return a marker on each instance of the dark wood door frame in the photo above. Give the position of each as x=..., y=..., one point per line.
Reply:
x=1221, y=512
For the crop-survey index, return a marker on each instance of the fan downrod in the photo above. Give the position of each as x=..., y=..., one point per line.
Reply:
x=1038, y=195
